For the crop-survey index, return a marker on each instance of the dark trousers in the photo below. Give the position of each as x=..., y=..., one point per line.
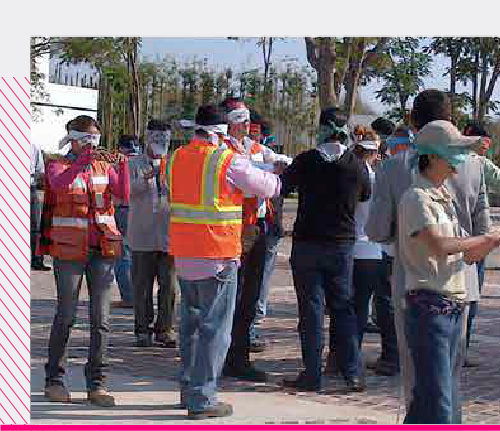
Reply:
x=385, y=312
x=146, y=267
x=69, y=277
x=474, y=305
x=36, y=207
x=323, y=273
x=249, y=282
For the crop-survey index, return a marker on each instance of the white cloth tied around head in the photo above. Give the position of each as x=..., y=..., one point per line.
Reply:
x=219, y=128
x=159, y=141
x=369, y=145
x=84, y=138
x=239, y=115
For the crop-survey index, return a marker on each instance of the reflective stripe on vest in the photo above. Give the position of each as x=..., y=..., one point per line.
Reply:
x=105, y=219
x=81, y=223
x=99, y=180
x=209, y=210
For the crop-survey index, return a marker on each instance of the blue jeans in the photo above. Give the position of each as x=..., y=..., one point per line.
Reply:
x=123, y=265
x=385, y=313
x=207, y=309
x=474, y=305
x=323, y=273
x=69, y=276
x=434, y=342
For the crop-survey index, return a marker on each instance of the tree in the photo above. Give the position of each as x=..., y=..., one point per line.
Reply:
x=404, y=79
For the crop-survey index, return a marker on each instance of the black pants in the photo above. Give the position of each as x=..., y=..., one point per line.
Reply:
x=249, y=282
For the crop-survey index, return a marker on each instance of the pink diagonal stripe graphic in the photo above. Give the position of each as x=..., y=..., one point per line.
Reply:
x=6, y=188
x=1, y=405
x=16, y=96
x=15, y=333
x=15, y=363
x=15, y=244
x=15, y=393
x=15, y=124
x=15, y=109
x=27, y=80
x=17, y=218
x=17, y=187
x=24, y=315
x=6, y=158
x=10, y=312
x=17, y=261
x=28, y=395
x=15, y=273
x=21, y=87
x=22, y=164
x=8, y=399
x=8, y=279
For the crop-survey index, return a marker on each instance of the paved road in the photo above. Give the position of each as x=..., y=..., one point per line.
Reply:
x=144, y=380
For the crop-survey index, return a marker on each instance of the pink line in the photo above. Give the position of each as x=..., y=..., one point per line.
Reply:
x=16, y=96
x=15, y=379
x=15, y=198
x=17, y=129
x=15, y=109
x=13, y=167
x=14, y=348
x=8, y=279
x=400, y=427
x=15, y=363
x=15, y=183
x=10, y=312
x=13, y=225
x=3, y=423
x=22, y=88
x=15, y=393
x=1, y=405
x=1, y=225
x=27, y=80
x=15, y=273
x=13, y=406
x=15, y=154
x=3, y=288
x=8, y=249
x=15, y=333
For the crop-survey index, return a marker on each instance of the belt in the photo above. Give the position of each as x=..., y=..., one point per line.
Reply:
x=434, y=302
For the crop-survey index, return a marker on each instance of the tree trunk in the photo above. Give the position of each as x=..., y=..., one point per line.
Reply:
x=356, y=60
x=453, y=84
x=483, y=103
x=474, y=85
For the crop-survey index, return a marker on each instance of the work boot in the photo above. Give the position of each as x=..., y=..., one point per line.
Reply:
x=245, y=372
x=57, y=393
x=101, y=397
x=302, y=383
x=220, y=410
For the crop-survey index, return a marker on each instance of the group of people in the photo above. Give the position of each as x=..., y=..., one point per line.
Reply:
x=399, y=214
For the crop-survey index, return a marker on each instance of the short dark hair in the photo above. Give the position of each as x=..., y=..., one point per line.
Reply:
x=475, y=128
x=430, y=105
x=69, y=126
x=83, y=122
x=228, y=102
x=383, y=126
x=158, y=125
x=423, y=162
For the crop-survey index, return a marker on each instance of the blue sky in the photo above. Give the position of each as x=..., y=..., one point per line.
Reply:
x=222, y=53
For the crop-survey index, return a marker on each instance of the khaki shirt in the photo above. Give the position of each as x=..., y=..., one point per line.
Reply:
x=424, y=205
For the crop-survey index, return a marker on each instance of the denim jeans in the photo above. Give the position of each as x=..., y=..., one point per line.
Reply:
x=69, y=277
x=249, y=282
x=123, y=265
x=207, y=309
x=434, y=343
x=323, y=273
x=385, y=312
x=146, y=266
x=474, y=305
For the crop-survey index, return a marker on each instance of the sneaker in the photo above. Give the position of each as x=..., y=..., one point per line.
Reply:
x=165, y=340
x=57, y=393
x=248, y=372
x=302, y=383
x=257, y=346
x=144, y=340
x=40, y=267
x=220, y=410
x=101, y=397
x=354, y=384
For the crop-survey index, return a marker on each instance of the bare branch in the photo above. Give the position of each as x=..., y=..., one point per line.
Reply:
x=312, y=58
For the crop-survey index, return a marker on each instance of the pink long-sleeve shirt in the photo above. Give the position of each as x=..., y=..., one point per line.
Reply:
x=60, y=177
x=241, y=175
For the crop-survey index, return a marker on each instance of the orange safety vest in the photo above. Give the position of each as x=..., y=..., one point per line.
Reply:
x=205, y=217
x=69, y=213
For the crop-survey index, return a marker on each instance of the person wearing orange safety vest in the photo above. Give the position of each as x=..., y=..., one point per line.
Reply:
x=81, y=235
x=207, y=182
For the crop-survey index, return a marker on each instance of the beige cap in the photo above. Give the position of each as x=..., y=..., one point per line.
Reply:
x=442, y=132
